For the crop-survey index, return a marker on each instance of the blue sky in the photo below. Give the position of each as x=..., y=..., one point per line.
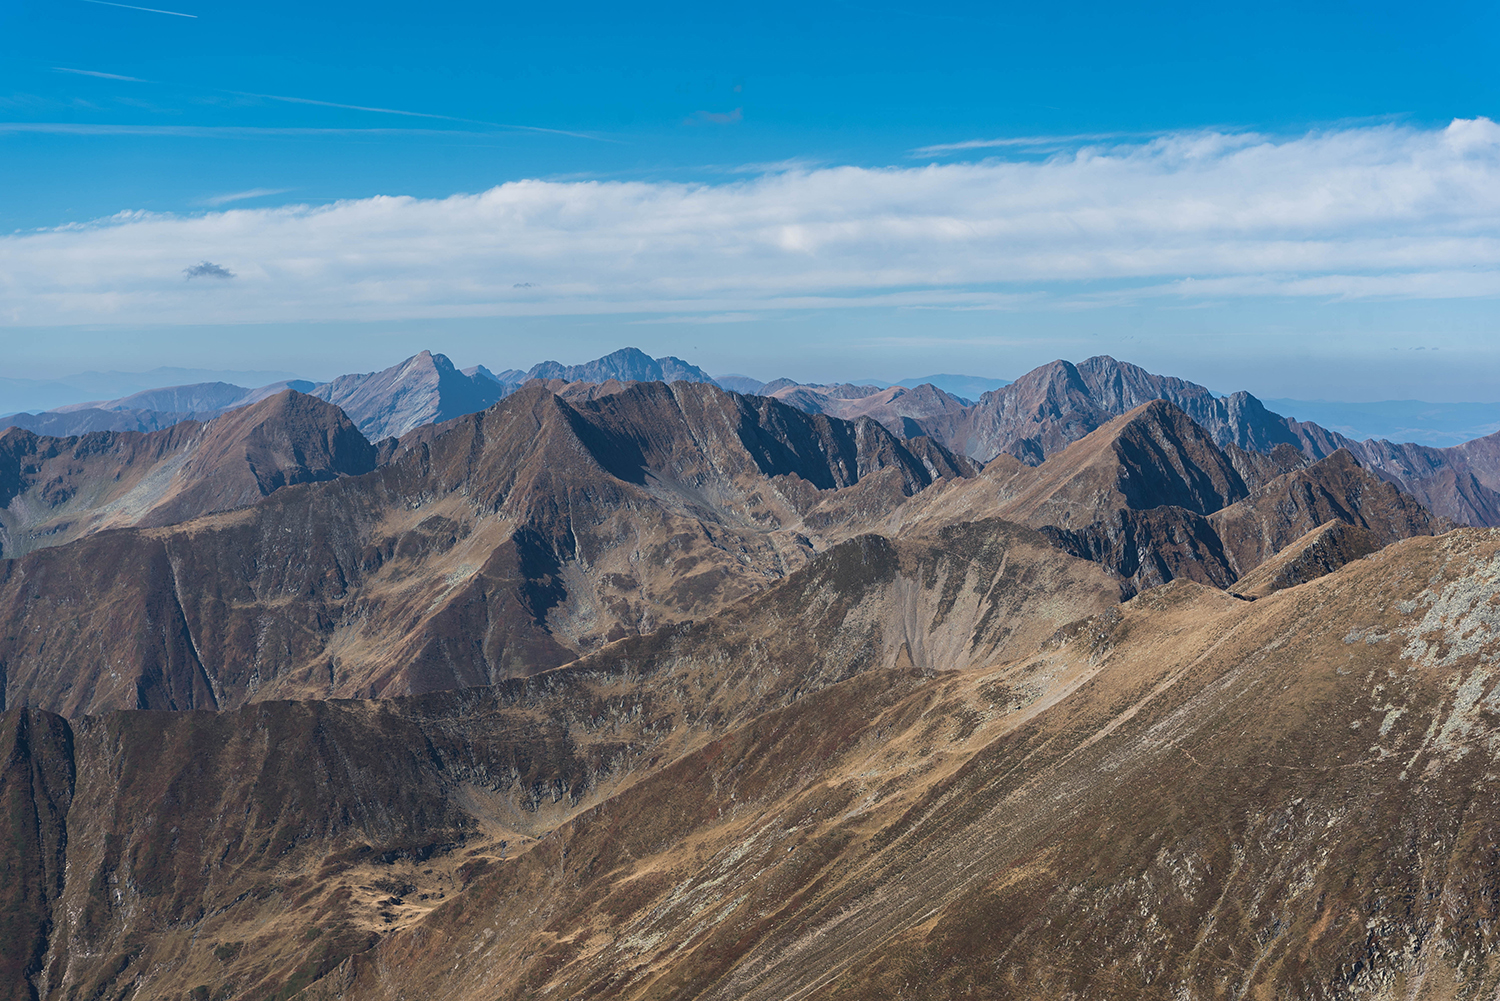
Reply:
x=1294, y=198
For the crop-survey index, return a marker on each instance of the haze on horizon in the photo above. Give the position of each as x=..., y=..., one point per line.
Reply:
x=1302, y=202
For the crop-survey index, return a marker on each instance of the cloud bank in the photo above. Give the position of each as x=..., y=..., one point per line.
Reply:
x=1355, y=213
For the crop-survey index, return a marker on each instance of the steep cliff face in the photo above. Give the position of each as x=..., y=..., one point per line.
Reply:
x=37, y=776
x=1047, y=409
x=1333, y=489
x=661, y=716
x=1050, y=407
x=1152, y=497
x=501, y=544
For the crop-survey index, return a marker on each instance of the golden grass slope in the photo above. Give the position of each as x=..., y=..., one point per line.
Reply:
x=251, y=850
x=1194, y=796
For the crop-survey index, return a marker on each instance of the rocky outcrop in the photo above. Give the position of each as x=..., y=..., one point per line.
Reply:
x=1321, y=551
x=1050, y=407
x=1047, y=409
x=1333, y=489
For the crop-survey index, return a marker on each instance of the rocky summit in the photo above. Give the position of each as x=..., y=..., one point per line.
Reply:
x=607, y=681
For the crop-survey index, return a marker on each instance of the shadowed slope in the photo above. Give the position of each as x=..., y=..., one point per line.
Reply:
x=1321, y=551
x=500, y=544
x=37, y=773
x=1050, y=407
x=1336, y=488
x=1150, y=496
x=254, y=849
x=1201, y=797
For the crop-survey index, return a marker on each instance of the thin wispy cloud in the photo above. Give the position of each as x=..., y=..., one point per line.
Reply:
x=101, y=76
x=704, y=318
x=232, y=131
x=1370, y=213
x=715, y=117
x=417, y=114
x=240, y=196
x=1026, y=142
x=148, y=10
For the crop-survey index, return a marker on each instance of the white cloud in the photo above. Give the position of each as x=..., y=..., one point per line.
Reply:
x=1360, y=212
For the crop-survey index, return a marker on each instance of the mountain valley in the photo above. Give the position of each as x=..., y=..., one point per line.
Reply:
x=605, y=681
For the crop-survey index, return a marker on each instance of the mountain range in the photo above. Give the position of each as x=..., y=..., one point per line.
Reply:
x=1031, y=418
x=640, y=688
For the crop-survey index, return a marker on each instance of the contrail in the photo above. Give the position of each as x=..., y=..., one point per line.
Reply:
x=149, y=10
x=411, y=114
x=104, y=76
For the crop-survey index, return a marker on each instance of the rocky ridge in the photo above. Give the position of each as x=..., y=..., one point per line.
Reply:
x=56, y=490
x=742, y=809
x=388, y=813
x=635, y=689
x=1151, y=496
x=500, y=544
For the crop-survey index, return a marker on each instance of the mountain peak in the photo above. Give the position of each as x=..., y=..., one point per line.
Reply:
x=423, y=389
x=624, y=365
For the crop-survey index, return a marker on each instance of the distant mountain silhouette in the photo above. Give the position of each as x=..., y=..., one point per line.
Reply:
x=54, y=490
x=149, y=410
x=625, y=365
x=424, y=389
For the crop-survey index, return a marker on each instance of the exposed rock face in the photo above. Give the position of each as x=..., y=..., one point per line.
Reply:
x=1333, y=489
x=1461, y=482
x=56, y=490
x=501, y=544
x=1321, y=551
x=1048, y=408
x=424, y=389
x=625, y=365
x=1152, y=497
x=773, y=804
x=662, y=716
x=177, y=841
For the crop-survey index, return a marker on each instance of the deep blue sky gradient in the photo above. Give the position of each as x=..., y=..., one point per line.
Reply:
x=827, y=82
